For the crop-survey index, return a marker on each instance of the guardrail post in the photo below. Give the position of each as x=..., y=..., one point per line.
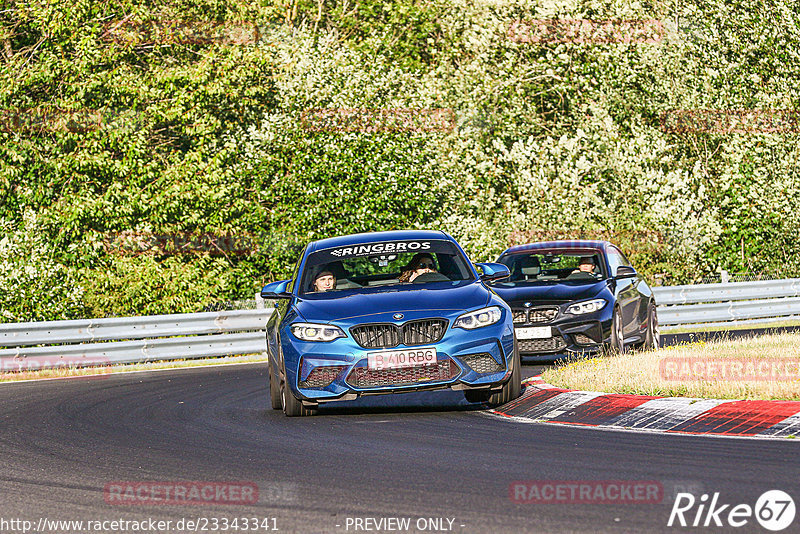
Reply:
x=724, y=277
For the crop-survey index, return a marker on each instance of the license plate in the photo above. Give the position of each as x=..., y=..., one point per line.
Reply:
x=396, y=359
x=534, y=332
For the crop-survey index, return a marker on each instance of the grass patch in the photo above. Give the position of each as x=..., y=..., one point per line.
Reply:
x=761, y=367
x=103, y=371
x=701, y=328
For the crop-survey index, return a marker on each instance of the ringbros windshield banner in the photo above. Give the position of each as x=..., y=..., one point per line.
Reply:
x=386, y=247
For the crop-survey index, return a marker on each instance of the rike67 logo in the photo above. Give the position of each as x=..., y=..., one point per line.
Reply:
x=774, y=510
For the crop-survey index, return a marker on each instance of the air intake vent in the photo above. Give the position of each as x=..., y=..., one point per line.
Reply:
x=482, y=363
x=443, y=370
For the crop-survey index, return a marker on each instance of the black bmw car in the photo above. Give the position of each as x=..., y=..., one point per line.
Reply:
x=580, y=296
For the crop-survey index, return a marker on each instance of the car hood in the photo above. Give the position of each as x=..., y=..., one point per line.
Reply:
x=559, y=292
x=448, y=296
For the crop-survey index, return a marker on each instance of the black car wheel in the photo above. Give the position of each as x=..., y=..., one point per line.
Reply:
x=617, y=336
x=292, y=407
x=652, y=338
x=274, y=389
x=511, y=389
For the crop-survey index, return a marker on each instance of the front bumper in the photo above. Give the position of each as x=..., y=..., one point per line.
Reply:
x=569, y=334
x=338, y=370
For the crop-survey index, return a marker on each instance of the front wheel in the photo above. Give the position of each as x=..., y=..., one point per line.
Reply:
x=617, y=336
x=292, y=406
x=512, y=388
x=274, y=389
x=652, y=339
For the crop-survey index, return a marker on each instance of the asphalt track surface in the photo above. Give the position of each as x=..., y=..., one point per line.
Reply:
x=416, y=456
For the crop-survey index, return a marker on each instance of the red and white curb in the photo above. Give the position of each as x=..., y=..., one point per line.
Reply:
x=543, y=403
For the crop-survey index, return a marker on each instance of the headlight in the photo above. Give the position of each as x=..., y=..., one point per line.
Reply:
x=586, y=307
x=479, y=318
x=316, y=332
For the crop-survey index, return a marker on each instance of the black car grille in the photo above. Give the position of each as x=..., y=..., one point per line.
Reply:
x=363, y=377
x=387, y=335
x=482, y=363
x=549, y=344
x=535, y=315
x=376, y=336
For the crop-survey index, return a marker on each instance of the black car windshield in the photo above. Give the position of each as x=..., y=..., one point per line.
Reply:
x=383, y=264
x=553, y=266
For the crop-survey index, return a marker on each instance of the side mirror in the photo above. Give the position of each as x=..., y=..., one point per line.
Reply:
x=626, y=271
x=276, y=290
x=493, y=271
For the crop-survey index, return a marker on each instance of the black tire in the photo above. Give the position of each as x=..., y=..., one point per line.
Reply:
x=652, y=339
x=617, y=345
x=292, y=407
x=512, y=388
x=274, y=389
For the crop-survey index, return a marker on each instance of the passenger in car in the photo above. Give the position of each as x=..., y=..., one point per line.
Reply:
x=586, y=266
x=420, y=263
x=324, y=281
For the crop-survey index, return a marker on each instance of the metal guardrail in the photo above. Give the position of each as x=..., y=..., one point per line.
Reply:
x=47, y=344
x=89, y=330
x=95, y=342
x=701, y=306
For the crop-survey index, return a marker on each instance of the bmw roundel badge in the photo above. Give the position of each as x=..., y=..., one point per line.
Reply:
x=398, y=316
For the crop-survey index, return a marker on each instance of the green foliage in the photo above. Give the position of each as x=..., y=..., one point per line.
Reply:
x=34, y=284
x=124, y=116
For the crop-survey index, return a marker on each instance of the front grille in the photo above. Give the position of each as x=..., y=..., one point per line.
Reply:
x=482, y=363
x=550, y=344
x=376, y=336
x=386, y=335
x=535, y=315
x=363, y=377
x=542, y=315
x=322, y=376
x=424, y=331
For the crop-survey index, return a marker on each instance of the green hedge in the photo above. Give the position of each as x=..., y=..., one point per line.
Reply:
x=203, y=134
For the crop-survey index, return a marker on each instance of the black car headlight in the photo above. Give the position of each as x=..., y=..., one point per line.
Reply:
x=589, y=306
x=478, y=318
x=316, y=332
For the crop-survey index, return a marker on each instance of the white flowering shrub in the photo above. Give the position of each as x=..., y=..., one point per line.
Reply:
x=560, y=137
x=34, y=284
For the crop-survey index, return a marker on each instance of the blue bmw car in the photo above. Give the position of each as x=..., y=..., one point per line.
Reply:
x=577, y=297
x=388, y=312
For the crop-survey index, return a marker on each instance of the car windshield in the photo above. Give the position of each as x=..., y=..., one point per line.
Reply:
x=383, y=264
x=553, y=266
